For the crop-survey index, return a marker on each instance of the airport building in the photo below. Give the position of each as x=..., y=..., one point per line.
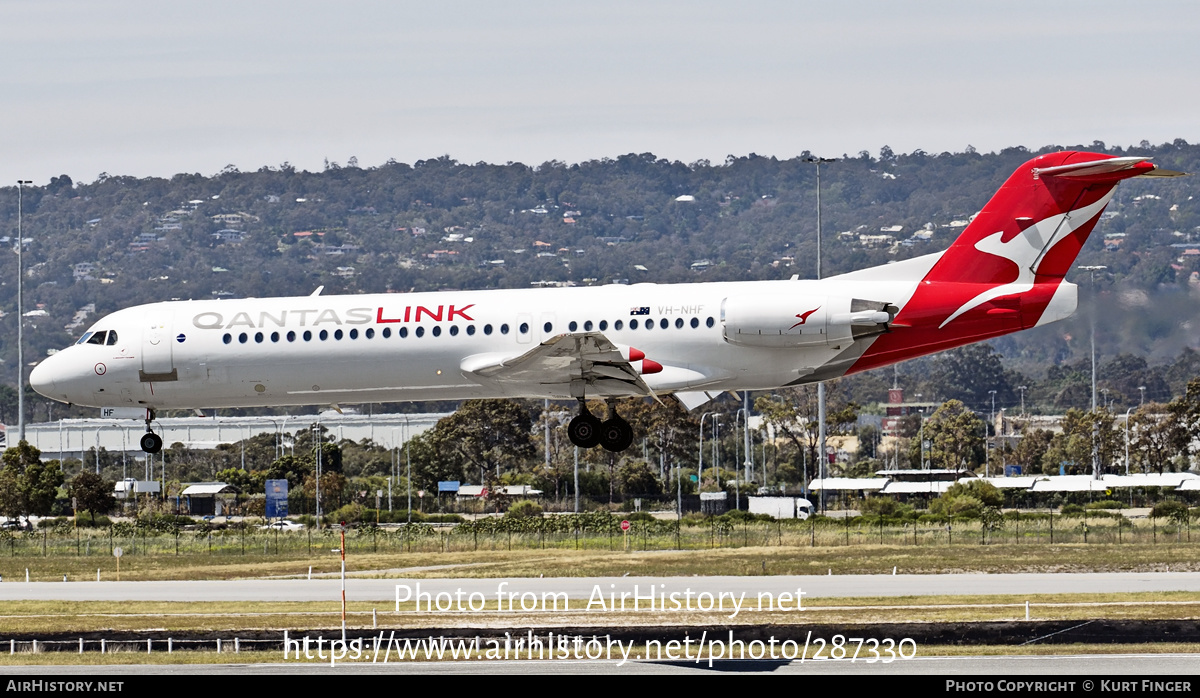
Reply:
x=71, y=438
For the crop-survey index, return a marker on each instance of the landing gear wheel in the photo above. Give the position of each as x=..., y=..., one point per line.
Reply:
x=151, y=442
x=615, y=434
x=584, y=430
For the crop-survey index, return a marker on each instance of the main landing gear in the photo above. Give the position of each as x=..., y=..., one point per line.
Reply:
x=587, y=431
x=151, y=442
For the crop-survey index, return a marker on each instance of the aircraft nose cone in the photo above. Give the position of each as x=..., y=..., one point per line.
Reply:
x=45, y=376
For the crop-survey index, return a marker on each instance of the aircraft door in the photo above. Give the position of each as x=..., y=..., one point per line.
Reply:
x=157, y=360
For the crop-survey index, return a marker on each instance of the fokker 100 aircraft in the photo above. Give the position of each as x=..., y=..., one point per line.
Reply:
x=1004, y=273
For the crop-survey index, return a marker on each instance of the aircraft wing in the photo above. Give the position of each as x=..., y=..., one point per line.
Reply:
x=601, y=368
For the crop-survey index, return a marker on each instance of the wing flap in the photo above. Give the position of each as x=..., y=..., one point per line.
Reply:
x=589, y=358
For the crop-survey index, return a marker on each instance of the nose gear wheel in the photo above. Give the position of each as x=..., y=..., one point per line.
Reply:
x=151, y=442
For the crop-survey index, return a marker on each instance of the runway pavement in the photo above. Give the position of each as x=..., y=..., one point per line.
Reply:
x=385, y=590
x=1065, y=669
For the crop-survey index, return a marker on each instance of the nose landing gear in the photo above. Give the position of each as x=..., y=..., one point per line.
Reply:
x=151, y=442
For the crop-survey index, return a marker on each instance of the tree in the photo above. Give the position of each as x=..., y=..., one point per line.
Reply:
x=91, y=493
x=28, y=486
x=236, y=477
x=969, y=374
x=1187, y=415
x=636, y=478
x=1156, y=437
x=669, y=427
x=1085, y=431
x=1030, y=449
x=290, y=468
x=955, y=437
x=333, y=490
x=486, y=434
x=793, y=412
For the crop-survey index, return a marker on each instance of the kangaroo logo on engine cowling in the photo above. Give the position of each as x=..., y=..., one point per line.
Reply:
x=803, y=317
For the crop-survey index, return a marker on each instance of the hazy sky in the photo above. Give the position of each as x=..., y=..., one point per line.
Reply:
x=154, y=88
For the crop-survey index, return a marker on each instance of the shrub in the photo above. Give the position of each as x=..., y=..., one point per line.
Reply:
x=351, y=513
x=883, y=506
x=85, y=520
x=1105, y=504
x=1071, y=510
x=524, y=509
x=739, y=516
x=966, y=499
x=1172, y=509
x=444, y=518
x=394, y=516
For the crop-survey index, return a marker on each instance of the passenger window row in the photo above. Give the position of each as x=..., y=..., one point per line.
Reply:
x=436, y=331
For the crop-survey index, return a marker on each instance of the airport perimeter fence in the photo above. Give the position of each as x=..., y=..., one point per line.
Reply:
x=592, y=532
x=150, y=645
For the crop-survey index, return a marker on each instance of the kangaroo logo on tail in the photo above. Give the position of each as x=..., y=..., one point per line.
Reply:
x=1027, y=249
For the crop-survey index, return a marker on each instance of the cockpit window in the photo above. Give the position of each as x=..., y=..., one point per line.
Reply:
x=112, y=338
x=98, y=338
x=84, y=338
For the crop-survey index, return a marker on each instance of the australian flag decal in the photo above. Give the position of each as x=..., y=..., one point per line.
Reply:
x=644, y=310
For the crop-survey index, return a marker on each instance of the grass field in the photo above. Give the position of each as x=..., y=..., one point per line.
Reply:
x=857, y=559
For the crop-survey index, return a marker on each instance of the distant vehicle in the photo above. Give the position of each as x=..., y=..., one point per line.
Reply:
x=282, y=526
x=11, y=525
x=1005, y=273
x=804, y=509
x=208, y=517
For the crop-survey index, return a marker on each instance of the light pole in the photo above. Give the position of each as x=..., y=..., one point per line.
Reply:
x=395, y=467
x=279, y=432
x=1022, y=388
x=700, y=464
x=991, y=443
x=824, y=464
x=716, y=448
x=921, y=438
x=1092, y=269
x=746, y=434
x=1142, y=399
x=408, y=467
x=1127, y=440
x=737, y=419
x=319, y=442
x=21, y=184
x=546, y=428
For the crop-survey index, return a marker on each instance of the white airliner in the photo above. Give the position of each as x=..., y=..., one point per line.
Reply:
x=693, y=341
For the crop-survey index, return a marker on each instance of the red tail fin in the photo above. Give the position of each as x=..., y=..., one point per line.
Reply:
x=1000, y=275
x=1037, y=221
